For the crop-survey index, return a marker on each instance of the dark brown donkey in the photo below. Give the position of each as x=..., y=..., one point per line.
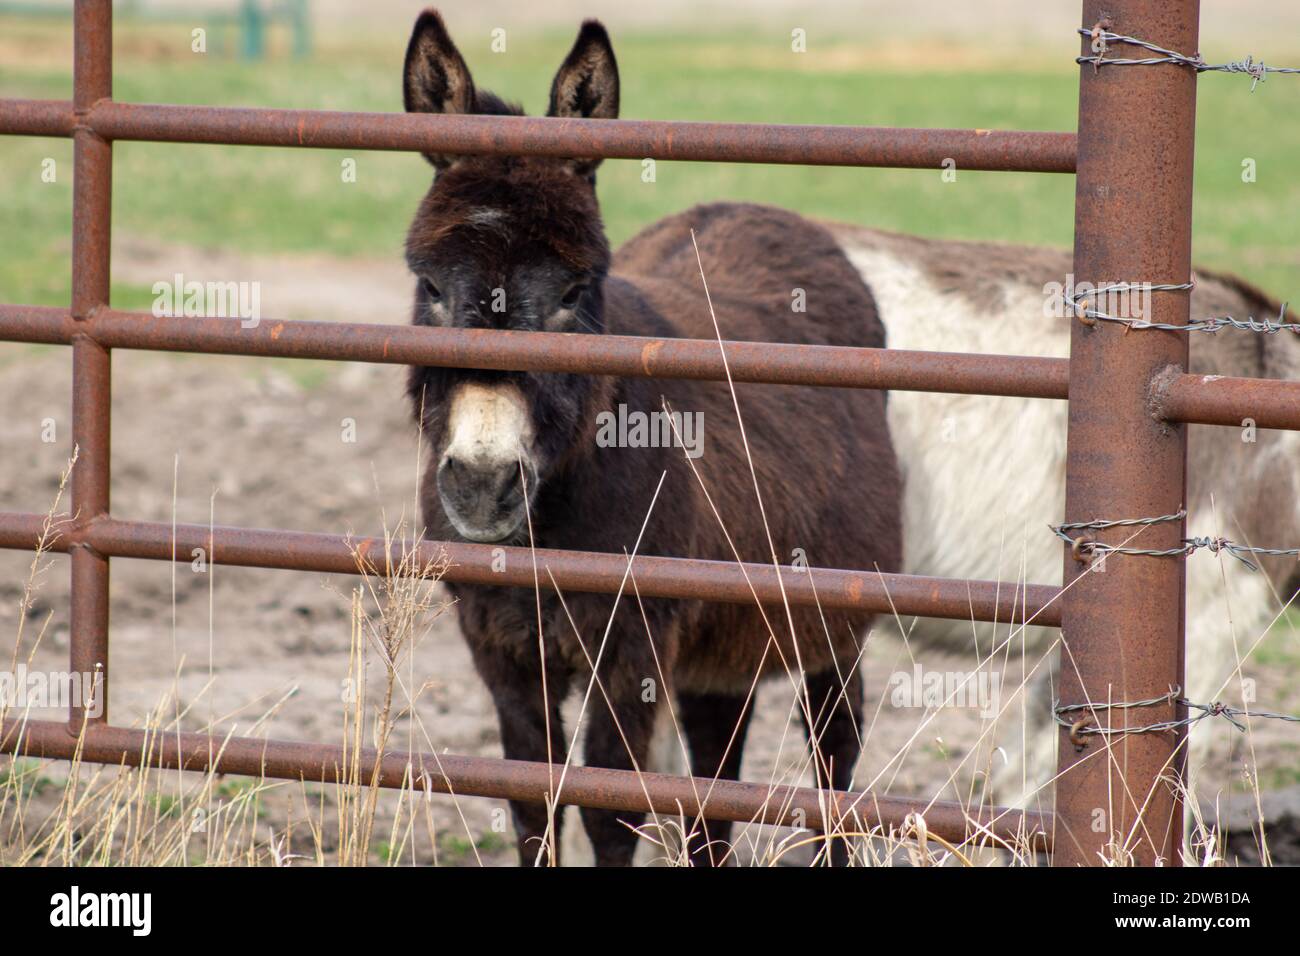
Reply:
x=568, y=461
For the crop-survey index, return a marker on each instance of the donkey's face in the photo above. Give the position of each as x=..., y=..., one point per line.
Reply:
x=505, y=243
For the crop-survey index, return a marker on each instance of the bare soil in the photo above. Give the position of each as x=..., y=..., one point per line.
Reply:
x=261, y=444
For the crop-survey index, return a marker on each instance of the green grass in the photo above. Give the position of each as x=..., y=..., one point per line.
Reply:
x=458, y=851
x=1280, y=650
x=1283, y=776
x=23, y=777
x=283, y=200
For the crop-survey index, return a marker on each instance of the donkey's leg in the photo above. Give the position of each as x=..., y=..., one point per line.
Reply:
x=835, y=737
x=516, y=688
x=715, y=726
x=618, y=737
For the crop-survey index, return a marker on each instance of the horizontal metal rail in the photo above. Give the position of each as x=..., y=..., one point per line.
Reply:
x=626, y=790
x=757, y=362
x=1223, y=400
x=36, y=117
x=972, y=149
x=587, y=571
x=1177, y=397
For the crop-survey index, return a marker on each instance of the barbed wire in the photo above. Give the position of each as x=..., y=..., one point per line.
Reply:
x=1079, y=727
x=1086, y=546
x=1102, y=38
x=1077, y=298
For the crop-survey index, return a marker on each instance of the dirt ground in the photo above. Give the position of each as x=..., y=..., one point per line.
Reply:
x=261, y=444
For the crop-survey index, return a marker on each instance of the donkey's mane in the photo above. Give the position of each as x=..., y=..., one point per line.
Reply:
x=491, y=200
x=488, y=103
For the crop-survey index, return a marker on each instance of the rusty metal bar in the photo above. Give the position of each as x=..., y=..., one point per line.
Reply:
x=1176, y=396
x=1122, y=630
x=1222, y=400
x=588, y=571
x=758, y=362
x=37, y=118
x=974, y=149
x=627, y=790
x=91, y=364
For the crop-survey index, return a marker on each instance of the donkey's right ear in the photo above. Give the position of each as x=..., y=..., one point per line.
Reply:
x=435, y=78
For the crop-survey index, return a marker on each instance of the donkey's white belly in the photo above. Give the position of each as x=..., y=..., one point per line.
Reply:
x=983, y=479
x=983, y=476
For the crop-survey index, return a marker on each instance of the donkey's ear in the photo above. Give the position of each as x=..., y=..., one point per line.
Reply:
x=435, y=78
x=587, y=83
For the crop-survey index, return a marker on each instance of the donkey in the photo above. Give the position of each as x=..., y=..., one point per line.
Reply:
x=517, y=458
x=984, y=477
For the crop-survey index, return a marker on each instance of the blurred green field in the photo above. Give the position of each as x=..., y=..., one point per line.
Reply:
x=288, y=201
x=280, y=200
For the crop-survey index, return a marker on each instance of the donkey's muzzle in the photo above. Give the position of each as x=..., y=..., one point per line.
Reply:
x=484, y=500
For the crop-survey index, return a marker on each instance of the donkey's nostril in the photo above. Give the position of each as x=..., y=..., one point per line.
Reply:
x=480, y=491
x=479, y=478
x=505, y=483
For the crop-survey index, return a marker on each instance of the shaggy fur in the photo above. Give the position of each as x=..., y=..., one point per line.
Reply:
x=822, y=459
x=984, y=476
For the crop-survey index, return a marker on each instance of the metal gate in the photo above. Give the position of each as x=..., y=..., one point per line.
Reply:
x=1129, y=397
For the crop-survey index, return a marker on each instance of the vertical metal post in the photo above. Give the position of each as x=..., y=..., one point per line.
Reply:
x=91, y=363
x=1122, y=627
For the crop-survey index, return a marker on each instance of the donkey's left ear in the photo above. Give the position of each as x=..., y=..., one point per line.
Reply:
x=587, y=84
x=435, y=78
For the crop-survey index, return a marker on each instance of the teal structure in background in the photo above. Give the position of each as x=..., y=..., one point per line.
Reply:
x=251, y=20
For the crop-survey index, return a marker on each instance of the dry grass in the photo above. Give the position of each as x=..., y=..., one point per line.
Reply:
x=76, y=813
x=152, y=816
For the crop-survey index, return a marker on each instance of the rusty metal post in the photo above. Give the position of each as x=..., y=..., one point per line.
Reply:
x=1122, y=627
x=91, y=362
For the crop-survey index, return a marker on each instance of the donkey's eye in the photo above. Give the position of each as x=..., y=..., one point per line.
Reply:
x=430, y=290
x=572, y=296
